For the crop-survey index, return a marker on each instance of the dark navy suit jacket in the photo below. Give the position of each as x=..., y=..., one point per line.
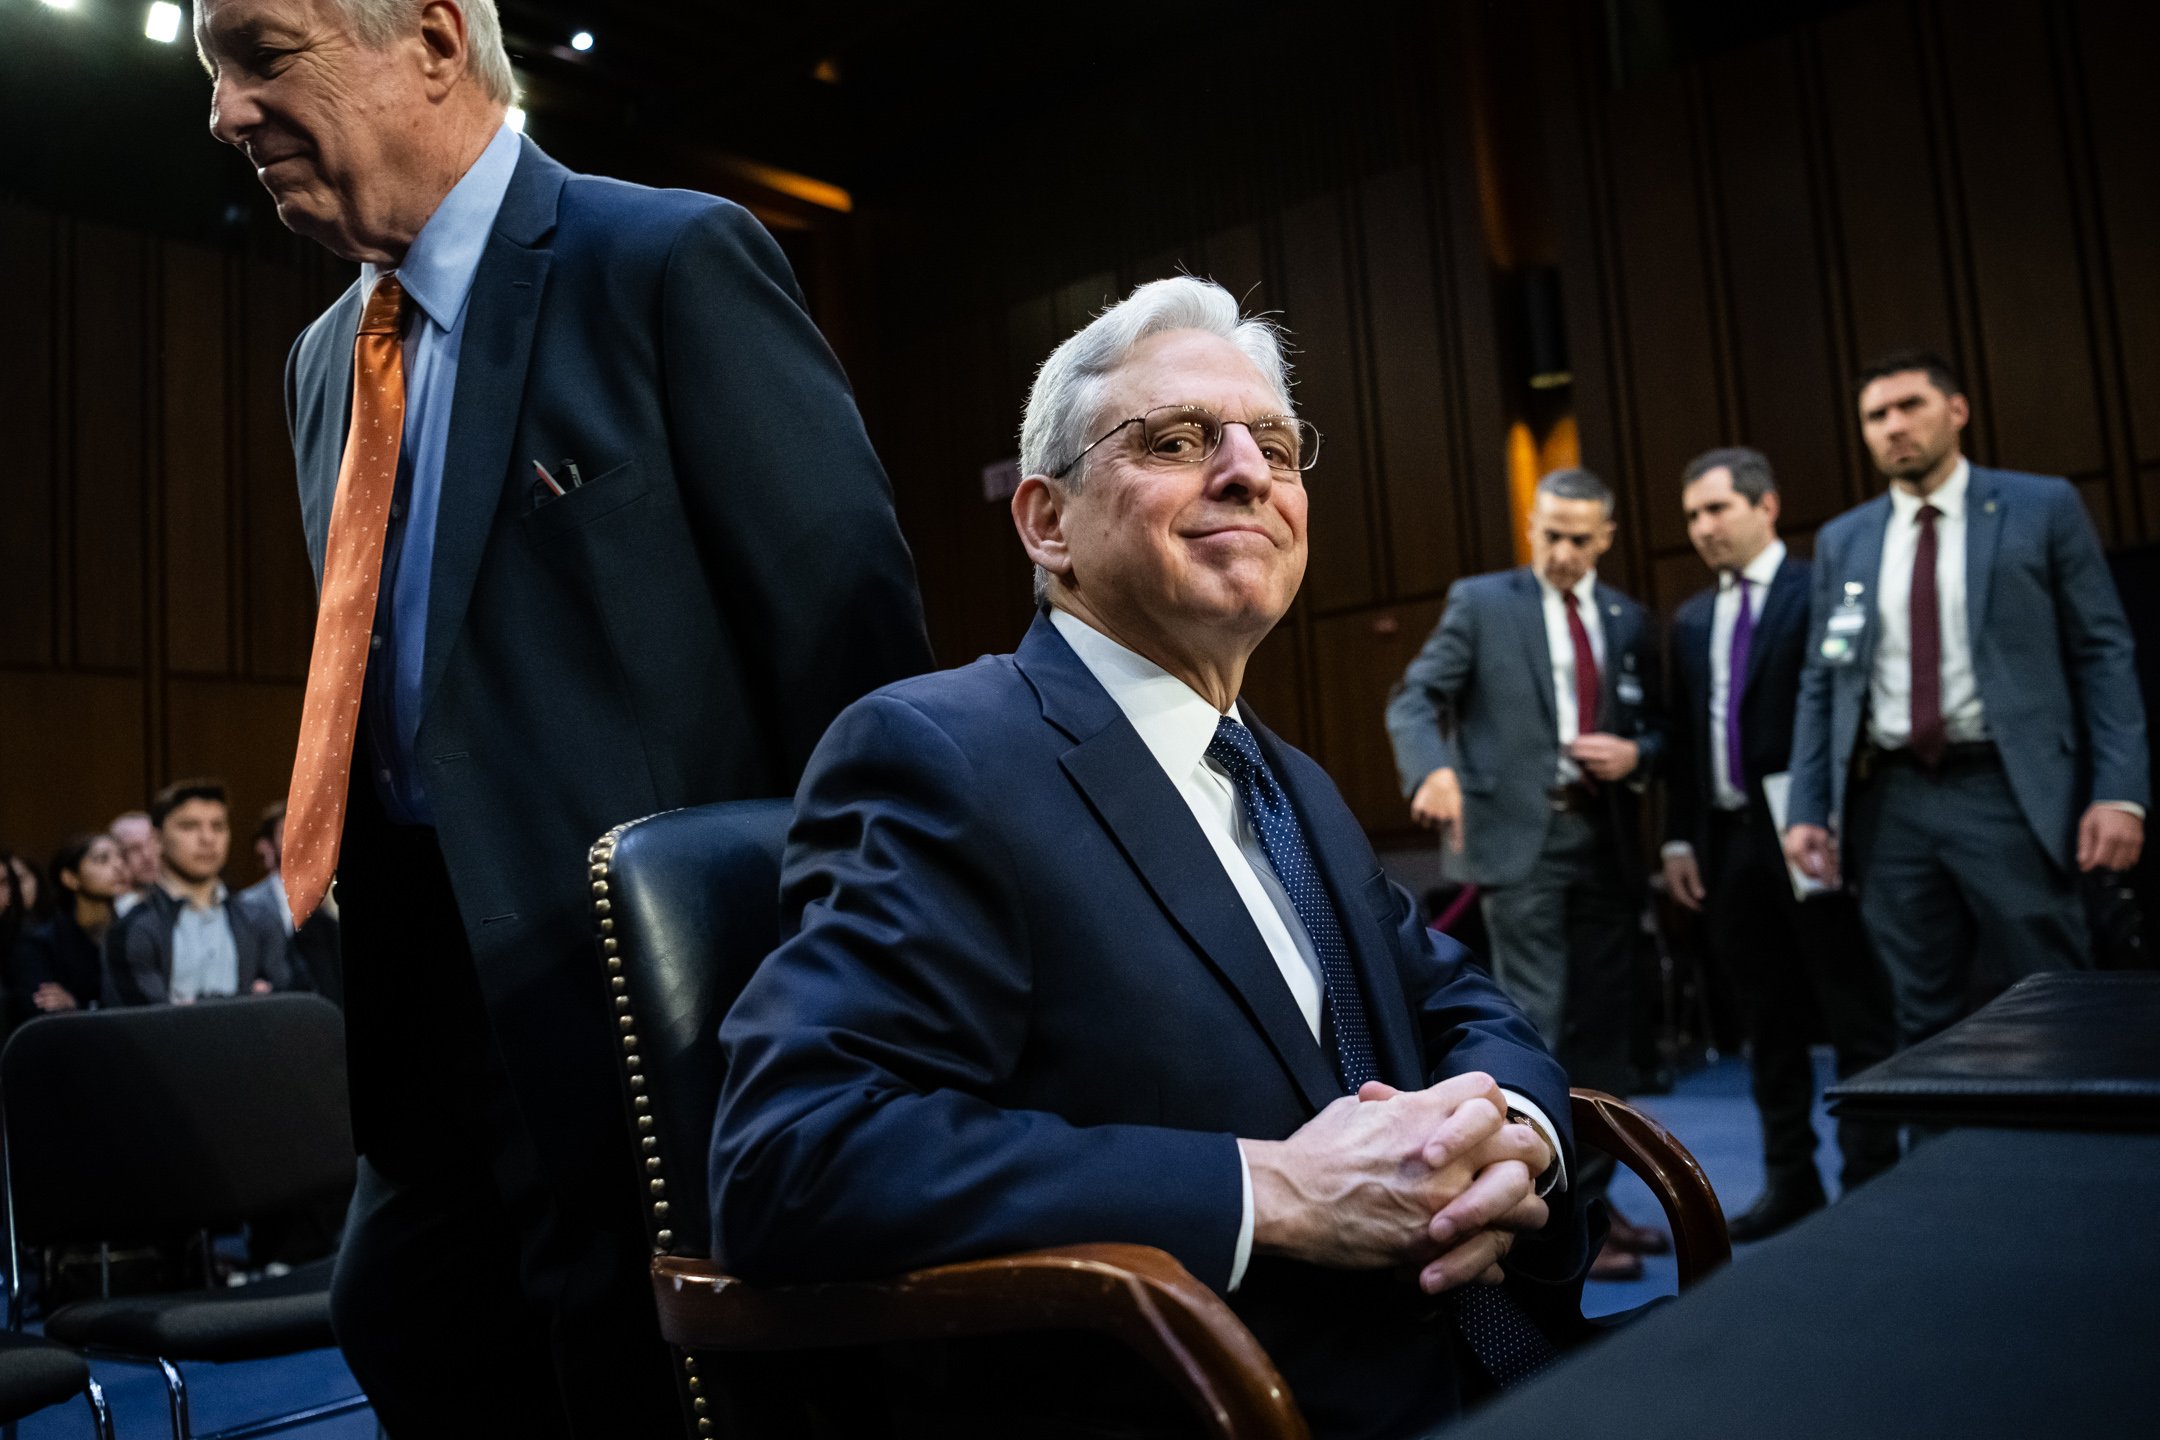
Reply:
x=1026, y=1007
x=681, y=629
x=2052, y=656
x=1768, y=693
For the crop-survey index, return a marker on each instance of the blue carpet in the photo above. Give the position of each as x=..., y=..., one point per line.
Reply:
x=1709, y=1110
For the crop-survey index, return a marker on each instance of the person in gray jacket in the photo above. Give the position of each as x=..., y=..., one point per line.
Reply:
x=1969, y=725
x=190, y=938
x=1526, y=730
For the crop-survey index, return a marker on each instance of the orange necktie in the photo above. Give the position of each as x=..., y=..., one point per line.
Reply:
x=345, y=619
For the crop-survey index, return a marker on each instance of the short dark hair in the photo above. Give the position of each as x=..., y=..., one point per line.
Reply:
x=1576, y=483
x=267, y=826
x=69, y=858
x=173, y=796
x=1899, y=362
x=1750, y=470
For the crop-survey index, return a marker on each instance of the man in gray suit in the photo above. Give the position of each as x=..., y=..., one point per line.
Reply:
x=1525, y=730
x=1969, y=723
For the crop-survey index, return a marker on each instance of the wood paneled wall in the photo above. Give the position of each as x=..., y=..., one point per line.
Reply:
x=155, y=602
x=1969, y=176
x=1734, y=239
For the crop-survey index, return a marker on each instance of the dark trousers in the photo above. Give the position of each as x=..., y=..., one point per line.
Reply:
x=1949, y=871
x=475, y=1294
x=1791, y=962
x=1562, y=947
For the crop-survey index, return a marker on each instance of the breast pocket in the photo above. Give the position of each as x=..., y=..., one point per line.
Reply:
x=604, y=494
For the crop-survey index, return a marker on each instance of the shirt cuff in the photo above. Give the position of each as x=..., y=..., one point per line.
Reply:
x=1243, y=1254
x=1676, y=850
x=1552, y=1182
x=2128, y=807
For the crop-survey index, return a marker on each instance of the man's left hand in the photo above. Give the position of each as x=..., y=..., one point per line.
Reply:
x=1475, y=1230
x=2109, y=839
x=1607, y=757
x=260, y=987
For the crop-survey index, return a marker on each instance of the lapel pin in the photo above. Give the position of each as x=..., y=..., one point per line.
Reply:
x=1989, y=507
x=1612, y=610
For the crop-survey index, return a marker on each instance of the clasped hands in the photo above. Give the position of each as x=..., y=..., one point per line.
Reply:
x=1438, y=1178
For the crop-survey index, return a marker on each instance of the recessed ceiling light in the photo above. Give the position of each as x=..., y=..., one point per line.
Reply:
x=516, y=116
x=581, y=41
x=163, y=22
x=59, y=4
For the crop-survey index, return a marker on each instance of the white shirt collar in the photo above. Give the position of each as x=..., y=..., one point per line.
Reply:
x=1173, y=719
x=1948, y=497
x=218, y=896
x=1585, y=589
x=1759, y=571
x=438, y=269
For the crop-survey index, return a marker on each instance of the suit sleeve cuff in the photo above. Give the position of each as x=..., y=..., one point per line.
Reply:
x=1243, y=1254
x=1676, y=850
x=1553, y=1181
x=2128, y=807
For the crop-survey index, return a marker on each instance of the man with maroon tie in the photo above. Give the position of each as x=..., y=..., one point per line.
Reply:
x=1525, y=731
x=1737, y=651
x=1969, y=733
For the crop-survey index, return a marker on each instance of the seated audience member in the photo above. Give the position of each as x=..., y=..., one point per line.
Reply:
x=1086, y=953
x=313, y=948
x=191, y=939
x=138, y=842
x=57, y=962
x=14, y=918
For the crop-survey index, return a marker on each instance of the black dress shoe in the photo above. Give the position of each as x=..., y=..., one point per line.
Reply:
x=1773, y=1211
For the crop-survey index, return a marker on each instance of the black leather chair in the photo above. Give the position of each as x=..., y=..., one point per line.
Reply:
x=687, y=907
x=165, y=1121
x=38, y=1374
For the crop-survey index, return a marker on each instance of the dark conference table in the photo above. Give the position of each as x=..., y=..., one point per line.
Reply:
x=1996, y=1283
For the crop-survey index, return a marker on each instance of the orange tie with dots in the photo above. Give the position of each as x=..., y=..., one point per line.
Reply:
x=345, y=618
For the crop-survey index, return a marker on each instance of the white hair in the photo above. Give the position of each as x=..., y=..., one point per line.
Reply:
x=1064, y=404
x=379, y=22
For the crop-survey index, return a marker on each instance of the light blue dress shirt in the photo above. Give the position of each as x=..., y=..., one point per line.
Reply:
x=205, y=957
x=437, y=274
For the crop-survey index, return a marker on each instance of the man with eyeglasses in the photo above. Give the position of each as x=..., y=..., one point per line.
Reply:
x=1086, y=953
x=1525, y=731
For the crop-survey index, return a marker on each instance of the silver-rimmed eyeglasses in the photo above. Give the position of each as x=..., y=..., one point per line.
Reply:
x=1191, y=434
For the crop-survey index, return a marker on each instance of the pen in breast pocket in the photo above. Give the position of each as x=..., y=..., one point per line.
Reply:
x=545, y=478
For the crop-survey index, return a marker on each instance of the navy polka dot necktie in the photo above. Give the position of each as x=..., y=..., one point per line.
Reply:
x=1499, y=1333
x=1282, y=837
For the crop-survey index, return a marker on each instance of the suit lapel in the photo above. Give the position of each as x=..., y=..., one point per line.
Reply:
x=500, y=316
x=1113, y=768
x=1788, y=595
x=1347, y=866
x=1983, y=529
x=1618, y=623
x=1863, y=566
x=324, y=404
x=1536, y=649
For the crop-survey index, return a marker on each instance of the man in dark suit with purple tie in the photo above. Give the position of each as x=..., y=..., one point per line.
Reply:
x=1737, y=650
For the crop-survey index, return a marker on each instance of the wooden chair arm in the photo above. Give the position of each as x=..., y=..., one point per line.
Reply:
x=1133, y=1293
x=1608, y=1123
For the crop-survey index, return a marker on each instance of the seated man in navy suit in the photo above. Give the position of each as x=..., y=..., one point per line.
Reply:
x=1085, y=953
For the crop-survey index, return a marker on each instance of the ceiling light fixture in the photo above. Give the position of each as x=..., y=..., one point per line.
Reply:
x=516, y=116
x=582, y=41
x=162, y=24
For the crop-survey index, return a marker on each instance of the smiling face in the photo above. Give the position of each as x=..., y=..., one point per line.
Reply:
x=1205, y=556
x=1912, y=428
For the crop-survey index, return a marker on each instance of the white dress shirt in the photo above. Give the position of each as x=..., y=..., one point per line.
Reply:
x=1890, y=686
x=1724, y=618
x=1561, y=646
x=1176, y=724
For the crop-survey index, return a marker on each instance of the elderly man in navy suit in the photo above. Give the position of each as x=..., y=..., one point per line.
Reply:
x=1736, y=655
x=1969, y=736
x=566, y=563
x=1086, y=953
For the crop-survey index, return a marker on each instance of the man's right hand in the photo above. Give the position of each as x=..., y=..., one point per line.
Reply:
x=1811, y=848
x=1438, y=805
x=1359, y=1186
x=1683, y=879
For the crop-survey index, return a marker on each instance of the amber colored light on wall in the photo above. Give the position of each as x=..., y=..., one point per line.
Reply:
x=1527, y=459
